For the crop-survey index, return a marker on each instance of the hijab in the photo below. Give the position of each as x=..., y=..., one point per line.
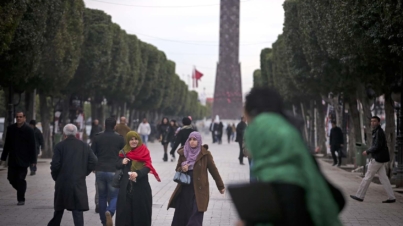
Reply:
x=138, y=154
x=192, y=153
x=279, y=160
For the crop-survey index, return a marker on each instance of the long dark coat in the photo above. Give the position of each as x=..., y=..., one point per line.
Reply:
x=19, y=146
x=142, y=196
x=73, y=160
x=203, y=163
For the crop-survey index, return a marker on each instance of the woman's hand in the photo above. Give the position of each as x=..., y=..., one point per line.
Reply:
x=222, y=191
x=185, y=168
x=125, y=161
x=133, y=176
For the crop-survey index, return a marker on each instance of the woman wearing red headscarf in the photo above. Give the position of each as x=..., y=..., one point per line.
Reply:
x=135, y=199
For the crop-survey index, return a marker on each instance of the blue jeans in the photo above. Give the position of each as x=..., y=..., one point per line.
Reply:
x=144, y=138
x=105, y=190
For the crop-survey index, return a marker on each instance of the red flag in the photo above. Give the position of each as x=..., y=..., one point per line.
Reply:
x=196, y=76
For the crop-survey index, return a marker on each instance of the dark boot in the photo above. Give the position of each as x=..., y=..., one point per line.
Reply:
x=165, y=157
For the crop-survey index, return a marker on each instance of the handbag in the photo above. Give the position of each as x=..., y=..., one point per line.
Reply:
x=182, y=178
x=118, y=175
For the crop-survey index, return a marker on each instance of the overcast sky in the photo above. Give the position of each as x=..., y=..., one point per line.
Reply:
x=188, y=32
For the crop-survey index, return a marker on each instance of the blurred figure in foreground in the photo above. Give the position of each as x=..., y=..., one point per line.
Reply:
x=281, y=158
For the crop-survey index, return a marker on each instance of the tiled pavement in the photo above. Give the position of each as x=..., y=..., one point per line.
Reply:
x=38, y=208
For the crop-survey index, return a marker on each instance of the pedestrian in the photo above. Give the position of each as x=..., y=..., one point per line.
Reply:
x=38, y=144
x=220, y=132
x=106, y=146
x=72, y=161
x=213, y=136
x=280, y=157
x=134, y=205
x=336, y=143
x=122, y=128
x=191, y=201
x=379, y=159
x=229, y=132
x=95, y=128
x=172, y=133
x=20, y=148
x=182, y=135
x=144, y=130
x=233, y=132
x=164, y=130
x=240, y=129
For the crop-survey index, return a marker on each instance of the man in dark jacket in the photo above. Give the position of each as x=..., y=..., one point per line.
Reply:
x=182, y=135
x=38, y=142
x=240, y=130
x=336, y=143
x=106, y=146
x=19, y=146
x=379, y=158
x=72, y=161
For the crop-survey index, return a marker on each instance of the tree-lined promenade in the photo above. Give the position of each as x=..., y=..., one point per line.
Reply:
x=60, y=49
x=352, y=50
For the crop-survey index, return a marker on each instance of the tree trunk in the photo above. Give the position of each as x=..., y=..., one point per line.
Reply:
x=338, y=111
x=305, y=124
x=124, y=110
x=351, y=132
x=94, y=112
x=30, y=105
x=65, y=111
x=45, y=118
x=131, y=117
x=366, y=107
x=320, y=122
x=390, y=133
x=355, y=126
x=7, y=107
x=311, y=125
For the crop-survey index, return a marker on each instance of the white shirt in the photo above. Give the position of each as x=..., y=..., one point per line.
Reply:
x=144, y=129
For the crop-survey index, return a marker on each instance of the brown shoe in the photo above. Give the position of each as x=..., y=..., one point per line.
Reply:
x=109, y=221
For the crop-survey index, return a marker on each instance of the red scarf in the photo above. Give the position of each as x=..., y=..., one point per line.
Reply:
x=142, y=154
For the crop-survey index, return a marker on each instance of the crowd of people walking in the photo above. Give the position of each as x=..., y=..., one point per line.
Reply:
x=121, y=161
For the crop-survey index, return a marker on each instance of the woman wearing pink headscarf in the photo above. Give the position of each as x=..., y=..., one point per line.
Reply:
x=191, y=201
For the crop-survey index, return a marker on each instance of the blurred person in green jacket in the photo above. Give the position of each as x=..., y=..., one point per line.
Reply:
x=280, y=157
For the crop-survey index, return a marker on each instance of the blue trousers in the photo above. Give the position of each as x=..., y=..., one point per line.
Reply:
x=105, y=190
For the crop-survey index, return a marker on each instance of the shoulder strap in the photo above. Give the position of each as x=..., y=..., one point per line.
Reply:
x=123, y=153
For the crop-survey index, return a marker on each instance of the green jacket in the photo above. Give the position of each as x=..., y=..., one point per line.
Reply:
x=280, y=155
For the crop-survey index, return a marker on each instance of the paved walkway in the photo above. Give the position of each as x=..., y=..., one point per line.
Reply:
x=38, y=209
